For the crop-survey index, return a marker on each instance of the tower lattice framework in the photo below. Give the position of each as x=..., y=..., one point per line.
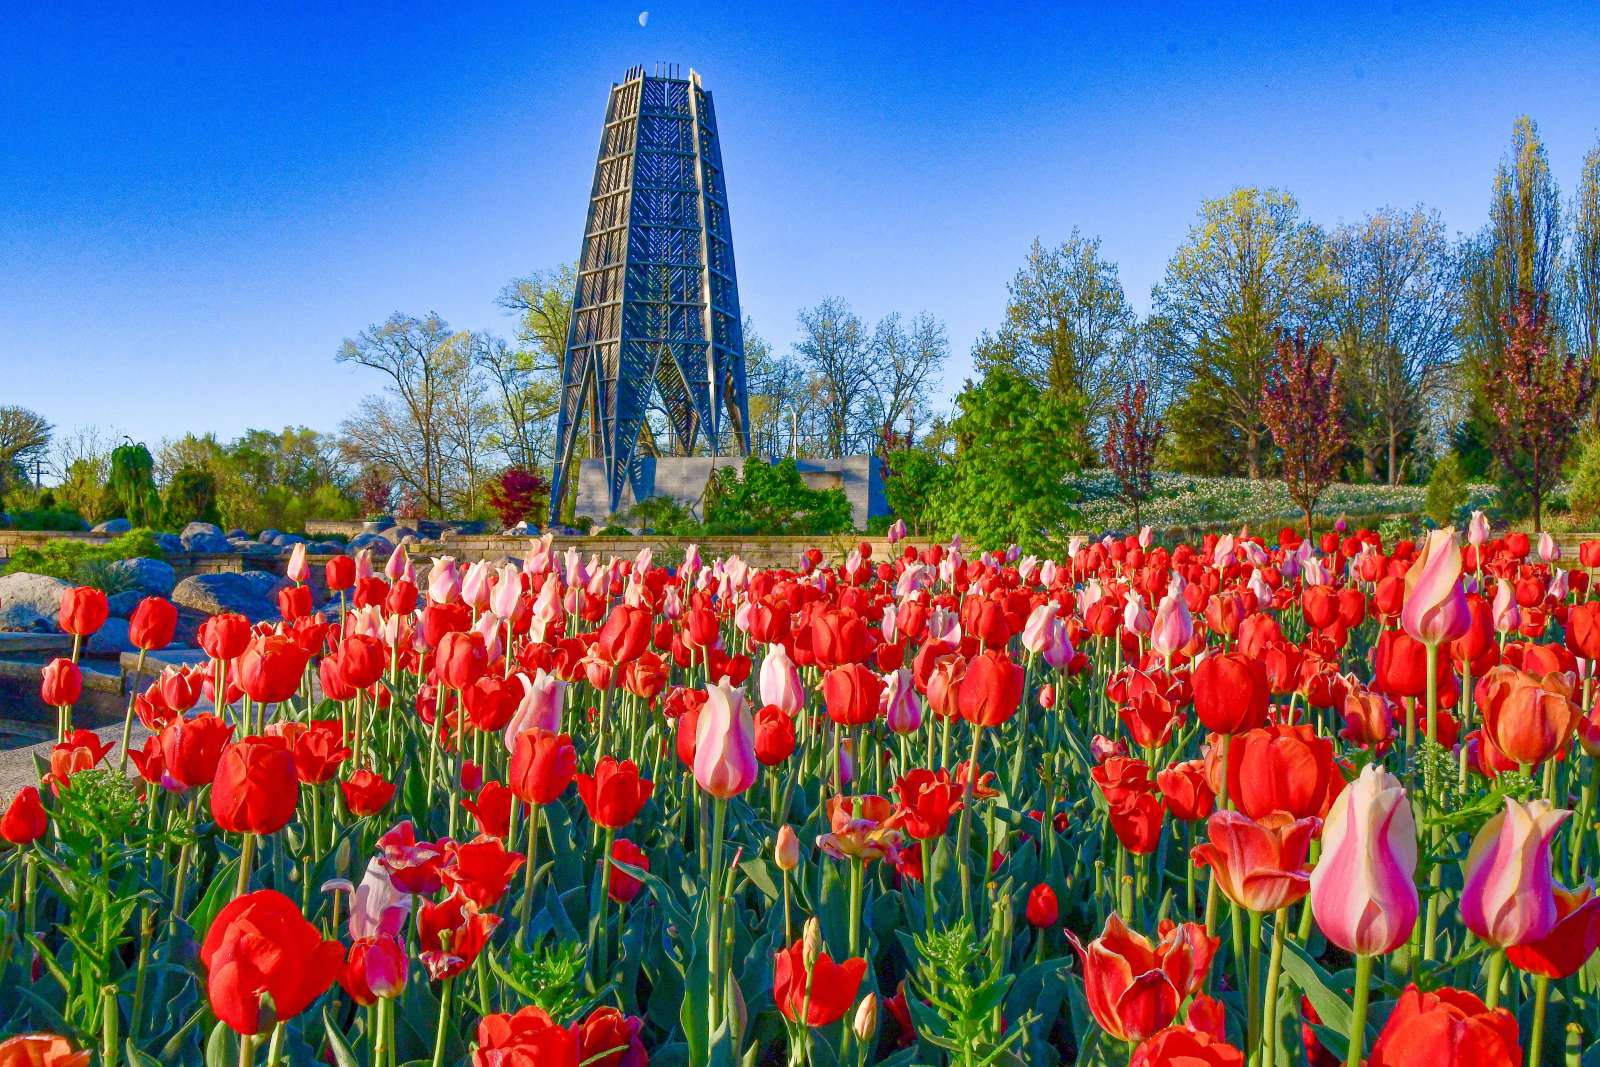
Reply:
x=655, y=317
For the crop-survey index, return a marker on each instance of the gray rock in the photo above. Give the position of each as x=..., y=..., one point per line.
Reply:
x=113, y=527
x=121, y=605
x=248, y=593
x=20, y=618
x=373, y=541
x=170, y=542
x=378, y=523
x=255, y=549
x=111, y=639
x=238, y=531
x=40, y=592
x=207, y=542
x=151, y=577
x=200, y=528
x=332, y=546
x=269, y=536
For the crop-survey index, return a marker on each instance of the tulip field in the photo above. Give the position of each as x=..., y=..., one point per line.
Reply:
x=1246, y=801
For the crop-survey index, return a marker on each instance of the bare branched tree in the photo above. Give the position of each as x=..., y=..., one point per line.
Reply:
x=1392, y=326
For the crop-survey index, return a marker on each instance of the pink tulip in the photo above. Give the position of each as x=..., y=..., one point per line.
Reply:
x=298, y=569
x=902, y=709
x=507, y=591
x=377, y=908
x=1135, y=616
x=399, y=564
x=1173, y=625
x=475, y=584
x=1363, y=891
x=1507, y=615
x=538, y=560
x=1477, y=529
x=725, y=762
x=1508, y=896
x=1549, y=551
x=547, y=608
x=1036, y=632
x=1435, y=608
x=444, y=581
x=543, y=697
x=780, y=682
x=897, y=531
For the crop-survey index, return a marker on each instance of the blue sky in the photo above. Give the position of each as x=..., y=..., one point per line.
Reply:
x=198, y=202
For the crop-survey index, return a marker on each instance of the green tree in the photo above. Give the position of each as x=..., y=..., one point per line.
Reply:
x=1250, y=265
x=1583, y=269
x=1068, y=328
x=911, y=477
x=131, y=485
x=24, y=437
x=1447, y=491
x=191, y=496
x=772, y=498
x=1008, y=478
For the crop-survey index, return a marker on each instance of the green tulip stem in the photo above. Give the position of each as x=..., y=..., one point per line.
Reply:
x=719, y=817
x=1541, y=1004
x=1269, y=1005
x=444, y=1021
x=1497, y=967
x=1358, y=1013
x=964, y=829
x=247, y=855
x=1252, y=991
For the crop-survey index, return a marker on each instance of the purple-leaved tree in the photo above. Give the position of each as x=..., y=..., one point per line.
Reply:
x=1302, y=404
x=1538, y=398
x=1132, y=434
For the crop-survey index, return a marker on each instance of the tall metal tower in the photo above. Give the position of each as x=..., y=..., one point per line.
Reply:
x=655, y=318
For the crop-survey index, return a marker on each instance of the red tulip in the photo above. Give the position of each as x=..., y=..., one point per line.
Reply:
x=41, y=1050
x=224, y=637
x=852, y=693
x=775, y=737
x=260, y=945
x=375, y=969
x=1133, y=987
x=153, y=623
x=79, y=751
x=83, y=611
x=480, y=870
x=468, y=931
x=1259, y=864
x=542, y=766
x=1188, y=1047
x=607, y=1030
x=294, y=602
x=365, y=793
x=614, y=794
x=24, y=821
x=270, y=668
x=1230, y=693
x=255, y=788
x=625, y=635
x=927, y=802
x=1042, y=909
x=340, y=572
x=413, y=865
x=1445, y=1028
x=1136, y=820
x=624, y=886
x=461, y=659
x=1527, y=717
x=991, y=689
x=60, y=683
x=319, y=751
x=191, y=749
x=1570, y=942
x=1278, y=768
x=362, y=660
x=1184, y=787
x=820, y=998
x=530, y=1038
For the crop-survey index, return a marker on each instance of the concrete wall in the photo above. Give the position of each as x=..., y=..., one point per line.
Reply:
x=684, y=479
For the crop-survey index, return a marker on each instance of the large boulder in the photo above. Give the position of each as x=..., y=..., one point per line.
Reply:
x=199, y=528
x=20, y=618
x=111, y=639
x=37, y=592
x=170, y=542
x=252, y=594
x=114, y=527
x=122, y=605
x=207, y=542
x=151, y=577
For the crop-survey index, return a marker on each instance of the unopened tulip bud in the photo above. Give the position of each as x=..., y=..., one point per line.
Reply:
x=741, y=1014
x=865, y=1025
x=786, y=848
x=813, y=943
